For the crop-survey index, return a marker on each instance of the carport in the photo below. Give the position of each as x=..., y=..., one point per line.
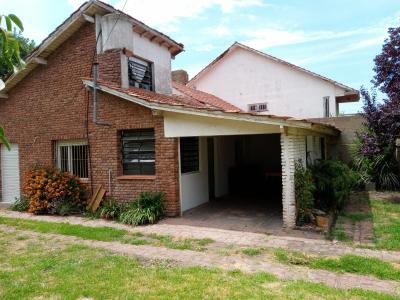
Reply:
x=237, y=170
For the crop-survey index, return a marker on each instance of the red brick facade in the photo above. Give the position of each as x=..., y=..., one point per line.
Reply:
x=50, y=105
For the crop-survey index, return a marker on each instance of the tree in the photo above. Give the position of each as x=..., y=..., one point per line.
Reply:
x=25, y=46
x=387, y=65
x=9, y=52
x=375, y=154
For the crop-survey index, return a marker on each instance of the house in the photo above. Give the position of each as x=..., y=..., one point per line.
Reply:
x=255, y=81
x=96, y=99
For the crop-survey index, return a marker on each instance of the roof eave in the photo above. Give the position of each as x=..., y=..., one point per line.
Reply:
x=321, y=128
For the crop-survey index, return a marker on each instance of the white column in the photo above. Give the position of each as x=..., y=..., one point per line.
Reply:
x=293, y=148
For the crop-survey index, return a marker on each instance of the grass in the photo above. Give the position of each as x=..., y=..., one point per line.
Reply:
x=44, y=269
x=347, y=263
x=107, y=234
x=252, y=251
x=386, y=219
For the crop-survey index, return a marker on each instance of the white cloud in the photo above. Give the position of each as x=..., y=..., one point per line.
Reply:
x=161, y=12
x=76, y=3
x=218, y=31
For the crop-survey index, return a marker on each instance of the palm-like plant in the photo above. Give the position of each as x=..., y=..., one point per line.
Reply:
x=9, y=52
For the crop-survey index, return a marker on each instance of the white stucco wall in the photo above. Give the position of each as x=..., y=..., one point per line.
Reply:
x=194, y=186
x=244, y=77
x=123, y=36
x=180, y=125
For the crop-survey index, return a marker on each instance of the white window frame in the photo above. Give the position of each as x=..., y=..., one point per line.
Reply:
x=69, y=144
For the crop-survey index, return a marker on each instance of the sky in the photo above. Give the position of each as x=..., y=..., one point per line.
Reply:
x=337, y=39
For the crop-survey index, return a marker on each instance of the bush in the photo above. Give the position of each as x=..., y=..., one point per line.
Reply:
x=147, y=209
x=51, y=191
x=20, y=204
x=110, y=208
x=304, y=189
x=334, y=181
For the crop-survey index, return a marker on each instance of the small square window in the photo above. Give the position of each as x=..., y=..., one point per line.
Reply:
x=73, y=157
x=189, y=154
x=140, y=73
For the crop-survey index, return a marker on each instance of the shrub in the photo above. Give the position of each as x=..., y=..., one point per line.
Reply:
x=51, y=191
x=20, y=204
x=110, y=208
x=304, y=188
x=147, y=209
x=333, y=182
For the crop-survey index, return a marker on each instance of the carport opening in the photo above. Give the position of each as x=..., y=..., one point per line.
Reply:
x=244, y=183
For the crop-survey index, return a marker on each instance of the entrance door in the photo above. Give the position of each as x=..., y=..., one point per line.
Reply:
x=10, y=173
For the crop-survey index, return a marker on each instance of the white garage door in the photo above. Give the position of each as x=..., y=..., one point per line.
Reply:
x=9, y=173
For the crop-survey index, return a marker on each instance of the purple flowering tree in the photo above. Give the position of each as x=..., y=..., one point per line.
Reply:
x=375, y=154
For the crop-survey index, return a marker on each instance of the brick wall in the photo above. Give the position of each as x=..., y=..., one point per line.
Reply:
x=50, y=105
x=293, y=148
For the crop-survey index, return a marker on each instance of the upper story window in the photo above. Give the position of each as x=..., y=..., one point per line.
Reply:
x=140, y=73
x=138, y=152
x=258, y=107
x=326, y=107
x=72, y=157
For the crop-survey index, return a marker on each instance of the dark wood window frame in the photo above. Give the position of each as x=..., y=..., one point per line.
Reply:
x=138, y=152
x=190, y=154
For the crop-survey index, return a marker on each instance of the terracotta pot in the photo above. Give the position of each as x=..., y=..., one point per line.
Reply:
x=322, y=221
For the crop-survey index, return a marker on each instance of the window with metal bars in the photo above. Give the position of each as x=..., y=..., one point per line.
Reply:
x=138, y=152
x=189, y=154
x=72, y=157
x=140, y=73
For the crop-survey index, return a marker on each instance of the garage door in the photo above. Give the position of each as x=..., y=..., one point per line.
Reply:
x=9, y=173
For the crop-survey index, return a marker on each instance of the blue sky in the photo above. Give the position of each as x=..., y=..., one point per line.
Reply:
x=337, y=39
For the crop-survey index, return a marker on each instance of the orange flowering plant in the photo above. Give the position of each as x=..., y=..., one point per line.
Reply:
x=50, y=190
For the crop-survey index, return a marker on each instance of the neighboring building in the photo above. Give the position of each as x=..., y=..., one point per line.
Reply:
x=258, y=82
x=126, y=131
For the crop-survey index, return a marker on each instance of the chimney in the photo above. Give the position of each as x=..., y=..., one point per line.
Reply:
x=180, y=76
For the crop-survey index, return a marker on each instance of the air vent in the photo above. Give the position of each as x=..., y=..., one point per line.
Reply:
x=258, y=107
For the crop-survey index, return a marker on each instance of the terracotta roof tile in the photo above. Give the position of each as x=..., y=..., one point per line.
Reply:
x=205, y=98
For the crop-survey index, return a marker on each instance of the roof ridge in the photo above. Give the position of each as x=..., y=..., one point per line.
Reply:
x=243, y=46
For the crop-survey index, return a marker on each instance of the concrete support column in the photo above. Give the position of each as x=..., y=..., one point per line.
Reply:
x=293, y=148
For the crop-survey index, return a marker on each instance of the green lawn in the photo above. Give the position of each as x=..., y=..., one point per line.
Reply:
x=386, y=218
x=107, y=234
x=347, y=263
x=42, y=269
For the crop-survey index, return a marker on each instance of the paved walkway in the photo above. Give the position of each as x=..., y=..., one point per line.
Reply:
x=228, y=237
x=192, y=258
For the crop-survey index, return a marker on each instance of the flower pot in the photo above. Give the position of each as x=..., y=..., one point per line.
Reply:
x=322, y=221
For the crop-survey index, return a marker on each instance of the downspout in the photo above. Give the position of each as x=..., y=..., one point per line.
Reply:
x=95, y=121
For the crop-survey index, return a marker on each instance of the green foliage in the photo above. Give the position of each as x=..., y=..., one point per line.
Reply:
x=26, y=45
x=381, y=168
x=304, y=189
x=252, y=251
x=333, y=182
x=21, y=204
x=110, y=208
x=10, y=48
x=148, y=208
